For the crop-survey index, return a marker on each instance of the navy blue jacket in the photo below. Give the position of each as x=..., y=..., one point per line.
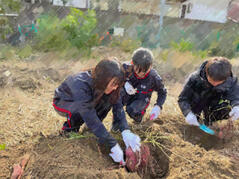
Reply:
x=199, y=92
x=151, y=82
x=78, y=90
x=145, y=87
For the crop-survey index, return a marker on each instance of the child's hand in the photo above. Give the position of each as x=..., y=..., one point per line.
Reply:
x=192, y=119
x=129, y=88
x=155, y=112
x=131, y=140
x=117, y=154
x=234, y=113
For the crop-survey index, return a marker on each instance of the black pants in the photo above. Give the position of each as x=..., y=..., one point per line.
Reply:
x=213, y=110
x=74, y=119
x=136, y=106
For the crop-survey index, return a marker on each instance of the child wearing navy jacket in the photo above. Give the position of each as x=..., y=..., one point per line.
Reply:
x=87, y=97
x=141, y=81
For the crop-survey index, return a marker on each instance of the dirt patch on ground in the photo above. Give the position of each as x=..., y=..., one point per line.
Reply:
x=73, y=158
x=30, y=125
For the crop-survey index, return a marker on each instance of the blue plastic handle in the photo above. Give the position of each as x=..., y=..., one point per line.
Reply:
x=206, y=129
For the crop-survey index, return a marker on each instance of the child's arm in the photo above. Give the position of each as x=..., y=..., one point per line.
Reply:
x=233, y=95
x=160, y=89
x=119, y=113
x=185, y=96
x=87, y=111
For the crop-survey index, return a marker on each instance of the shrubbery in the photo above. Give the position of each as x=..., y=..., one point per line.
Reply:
x=184, y=46
x=127, y=45
x=75, y=30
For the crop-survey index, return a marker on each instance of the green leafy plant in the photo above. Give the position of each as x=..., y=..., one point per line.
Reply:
x=75, y=30
x=79, y=26
x=182, y=46
x=25, y=52
x=50, y=35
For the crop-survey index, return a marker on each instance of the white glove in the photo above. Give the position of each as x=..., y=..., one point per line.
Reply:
x=129, y=88
x=192, y=119
x=117, y=154
x=155, y=112
x=234, y=113
x=131, y=140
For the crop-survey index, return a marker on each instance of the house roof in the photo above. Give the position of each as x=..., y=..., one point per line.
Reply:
x=233, y=11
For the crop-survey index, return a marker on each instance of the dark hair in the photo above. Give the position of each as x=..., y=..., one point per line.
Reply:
x=218, y=68
x=142, y=58
x=102, y=74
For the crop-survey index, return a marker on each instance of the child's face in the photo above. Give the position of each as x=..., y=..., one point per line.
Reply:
x=212, y=82
x=141, y=74
x=112, y=85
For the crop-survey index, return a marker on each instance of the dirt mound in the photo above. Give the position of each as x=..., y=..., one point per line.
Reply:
x=26, y=78
x=61, y=157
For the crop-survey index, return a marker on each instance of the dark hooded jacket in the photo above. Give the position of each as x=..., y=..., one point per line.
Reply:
x=198, y=93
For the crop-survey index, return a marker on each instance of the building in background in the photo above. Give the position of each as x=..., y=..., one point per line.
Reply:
x=205, y=10
x=233, y=11
x=72, y=3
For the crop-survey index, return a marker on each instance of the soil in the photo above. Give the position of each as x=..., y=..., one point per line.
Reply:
x=29, y=125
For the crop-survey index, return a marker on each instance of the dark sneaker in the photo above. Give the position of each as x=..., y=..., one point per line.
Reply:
x=65, y=128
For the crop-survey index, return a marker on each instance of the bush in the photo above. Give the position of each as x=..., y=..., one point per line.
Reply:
x=127, y=45
x=75, y=30
x=50, y=35
x=201, y=53
x=218, y=50
x=79, y=27
x=182, y=46
x=25, y=52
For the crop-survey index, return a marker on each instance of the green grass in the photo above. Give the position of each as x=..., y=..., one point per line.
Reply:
x=2, y=147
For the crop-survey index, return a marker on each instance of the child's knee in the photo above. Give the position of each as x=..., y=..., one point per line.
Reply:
x=134, y=113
